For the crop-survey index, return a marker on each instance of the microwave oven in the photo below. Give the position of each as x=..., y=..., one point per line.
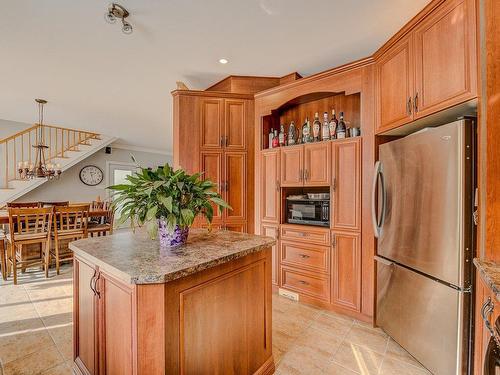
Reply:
x=308, y=211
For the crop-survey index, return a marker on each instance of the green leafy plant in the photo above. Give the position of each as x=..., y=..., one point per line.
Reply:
x=165, y=193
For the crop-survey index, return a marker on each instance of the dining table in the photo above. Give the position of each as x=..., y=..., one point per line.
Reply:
x=4, y=215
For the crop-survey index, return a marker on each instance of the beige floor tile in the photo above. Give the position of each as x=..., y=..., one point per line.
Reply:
x=302, y=360
x=283, y=340
x=35, y=363
x=320, y=341
x=336, y=369
x=358, y=359
x=332, y=324
x=368, y=338
x=15, y=346
x=395, y=367
x=394, y=351
x=60, y=369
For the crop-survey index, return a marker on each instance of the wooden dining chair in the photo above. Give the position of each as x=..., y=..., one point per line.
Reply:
x=23, y=204
x=28, y=226
x=54, y=204
x=70, y=223
x=102, y=225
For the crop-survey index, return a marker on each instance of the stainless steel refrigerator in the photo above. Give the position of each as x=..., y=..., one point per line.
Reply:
x=423, y=218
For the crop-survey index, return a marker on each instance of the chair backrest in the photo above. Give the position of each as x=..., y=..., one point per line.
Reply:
x=98, y=205
x=53, y=204
x=23, y=204
x=71, y=218
x=29, y=221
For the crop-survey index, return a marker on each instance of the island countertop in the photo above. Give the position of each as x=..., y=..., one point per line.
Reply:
x=136, y=259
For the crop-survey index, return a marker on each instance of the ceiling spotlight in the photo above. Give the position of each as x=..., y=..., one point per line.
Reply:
x=116, y=11
x=223, y=61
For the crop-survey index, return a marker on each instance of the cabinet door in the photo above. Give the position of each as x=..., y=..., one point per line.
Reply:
x=317, y=166
x=346, y=204
x=346, y=274
x=272, y=230
x=394, y=86
x=211, y=167
x=211, y=123
x=445, y=64
x=270, y=186
x=235, y=124
x=235, y=185
x=85, y=318
x=116, y=325
x=292, y=166
x=236, y=227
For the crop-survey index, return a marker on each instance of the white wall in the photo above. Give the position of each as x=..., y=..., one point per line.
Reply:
x=8, y=128
x=69, y=187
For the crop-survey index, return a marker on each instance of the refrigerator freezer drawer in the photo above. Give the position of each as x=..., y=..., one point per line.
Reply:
x=424, y=316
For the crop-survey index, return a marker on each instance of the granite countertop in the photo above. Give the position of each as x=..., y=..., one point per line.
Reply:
x=490, y=273
x=136, y=259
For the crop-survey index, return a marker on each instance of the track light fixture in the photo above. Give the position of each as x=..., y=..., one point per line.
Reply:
x=116, y=11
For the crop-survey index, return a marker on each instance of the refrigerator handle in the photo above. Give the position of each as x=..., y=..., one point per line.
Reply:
x=378, y=222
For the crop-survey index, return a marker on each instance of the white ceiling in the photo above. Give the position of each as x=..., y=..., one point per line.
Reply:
x=98, y=79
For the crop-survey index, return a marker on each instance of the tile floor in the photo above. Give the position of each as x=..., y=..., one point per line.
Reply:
x=36, y=335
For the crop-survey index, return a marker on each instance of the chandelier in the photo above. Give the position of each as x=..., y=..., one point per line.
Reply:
x=41, y=169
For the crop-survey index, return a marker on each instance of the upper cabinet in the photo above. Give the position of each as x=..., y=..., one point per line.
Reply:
x=234, y=137
x=431, y=68
x=306, y=165
x=292, y=166
x=270, y=186
x=211, y=122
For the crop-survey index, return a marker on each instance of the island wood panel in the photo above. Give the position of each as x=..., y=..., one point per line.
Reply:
x=394, y=91
x=445, y=51
x=272, y=230
x=346, y=266
x=85, y=340
x=235, y=124
x=203, y=332
x=292, y=166
x=270, y=187
x=317, y=164
x=346, y=190
x=117, y=324
x=212, y=112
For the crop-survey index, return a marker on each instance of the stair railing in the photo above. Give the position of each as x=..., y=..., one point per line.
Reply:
x=18, y=147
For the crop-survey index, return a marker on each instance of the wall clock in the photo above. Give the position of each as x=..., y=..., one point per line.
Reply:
x=91, y=175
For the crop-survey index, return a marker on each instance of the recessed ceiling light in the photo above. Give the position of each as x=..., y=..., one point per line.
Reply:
x=223, y=61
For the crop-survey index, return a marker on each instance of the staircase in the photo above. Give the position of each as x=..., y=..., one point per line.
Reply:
x=66, y=147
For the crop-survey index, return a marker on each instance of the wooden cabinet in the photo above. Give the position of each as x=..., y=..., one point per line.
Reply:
x=304, y=255
x=433, y=67
x=310, y=284
x=346, y=270
x=272, y=230
x=85, y=342
x=445, y=64
x=346, y=187
x=309, y=234
x=306, y=165
x=213, y=134
x=394, y=89
x=270, y=186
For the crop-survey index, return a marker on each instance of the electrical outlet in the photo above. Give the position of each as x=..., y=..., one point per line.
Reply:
x=287, y=294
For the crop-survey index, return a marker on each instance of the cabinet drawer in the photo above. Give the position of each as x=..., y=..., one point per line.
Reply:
x=306, y=283
x=305, y=255
x=318, y=236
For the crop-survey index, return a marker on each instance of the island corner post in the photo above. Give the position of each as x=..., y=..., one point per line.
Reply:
x=187, y=311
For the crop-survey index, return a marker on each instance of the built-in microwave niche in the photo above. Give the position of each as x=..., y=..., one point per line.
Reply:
x=298, y=109
x=311, y=209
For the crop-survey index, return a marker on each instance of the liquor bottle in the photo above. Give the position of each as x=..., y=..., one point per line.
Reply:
x=316, y=128
x=306, y=131
x=292, y=133
x=333, y=125
x=276, y=142
x=271, y=136
x=281, y=135
x=341, y=129
x=325, y=130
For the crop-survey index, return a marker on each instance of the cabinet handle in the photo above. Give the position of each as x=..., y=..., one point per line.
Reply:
x=92, y=280
x=334, y=183
x=408, y=106
x=95, y=285
x=277, y=185
x=303, y=282
x=227, y=186
x=333, y=240
x=486, y=311
x=221, y=141
x=304, y=256
x=415, y=102
x=306, y=174
x=226, y=140
x=301, y=175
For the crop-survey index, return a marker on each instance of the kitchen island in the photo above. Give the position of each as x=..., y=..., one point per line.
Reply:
x=204, y=307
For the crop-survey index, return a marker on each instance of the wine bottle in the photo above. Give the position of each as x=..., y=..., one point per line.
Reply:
x=325, y=130
x=281, y=136
x=341, y=128
x=306, y=131
x=316, y=128
x=275, y=139
x=333, y=125
x=292, y=133
x=270, y=136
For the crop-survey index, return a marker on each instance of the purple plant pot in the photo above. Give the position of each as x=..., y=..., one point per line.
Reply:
x=171, y=239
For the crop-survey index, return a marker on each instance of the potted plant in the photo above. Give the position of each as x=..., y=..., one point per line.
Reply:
x=167, y=201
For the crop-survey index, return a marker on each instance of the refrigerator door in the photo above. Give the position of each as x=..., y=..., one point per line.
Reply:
x=424, y=186
x=425, y=317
